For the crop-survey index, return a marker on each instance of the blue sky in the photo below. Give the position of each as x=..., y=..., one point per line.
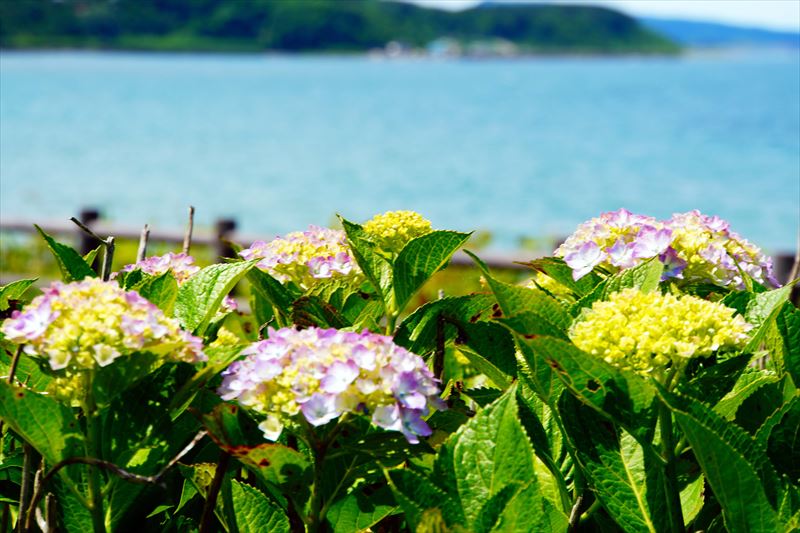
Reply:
x=769, y=14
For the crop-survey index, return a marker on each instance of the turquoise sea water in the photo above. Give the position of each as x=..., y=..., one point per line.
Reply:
x=522, y=147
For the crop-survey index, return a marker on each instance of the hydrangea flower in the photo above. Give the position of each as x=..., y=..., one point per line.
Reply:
x=321, y=374
x=692, y=246
x=615, y=240
x=180, y=265
x=304, y=257
x=650, y=332
x=89, y=323
x=392, y=230
x=712, y=252
x=79, y=326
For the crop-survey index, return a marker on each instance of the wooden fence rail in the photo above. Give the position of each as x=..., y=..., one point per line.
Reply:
x=220, y=238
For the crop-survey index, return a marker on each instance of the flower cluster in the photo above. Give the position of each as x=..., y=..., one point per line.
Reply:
x=712, y=252
x=304, y=257
x=78, y=326
x=393, y=229
x=324, y=373
x=692, y=247
x=650, y=332
x=180, y=265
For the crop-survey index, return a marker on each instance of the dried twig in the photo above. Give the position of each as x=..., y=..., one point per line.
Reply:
x=795, y=271
x=108, y=245
x=14, y=363
x=187, y=238
x=213, y=492
x=121, y=472
x=141, y=253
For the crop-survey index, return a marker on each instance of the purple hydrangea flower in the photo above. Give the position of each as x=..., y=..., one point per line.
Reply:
x=321, y=374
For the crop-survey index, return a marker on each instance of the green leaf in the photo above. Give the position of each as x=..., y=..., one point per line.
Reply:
x=219, y=358
x=617, y=475
x=490, y=452
x=45, y=424
x=537, y=369
x=311, y=311
x=415, y=494
x=558, y=270
x=621, y=395
x=748, y=383
x=14, y=291
x=526, y=310
x=92, y=255
x=417, y=333
x=160, y=290
x=254, y=512
x=375, y=267
x=271, y=290
x=644, y=277
x=32, y=372
x=711, y=383
x=110, y=381
x=200, y=296
x=72, y=265
x=783, y=341
x=736, y=467
x=420, y=259
x=361, y=509
x=783, y=440
x=762, y=312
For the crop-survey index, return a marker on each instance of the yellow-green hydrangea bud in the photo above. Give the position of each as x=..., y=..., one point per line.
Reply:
x=651, y=332
x=393, y=229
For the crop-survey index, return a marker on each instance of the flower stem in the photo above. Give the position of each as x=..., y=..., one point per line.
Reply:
x=670, y=474
x=93, y=434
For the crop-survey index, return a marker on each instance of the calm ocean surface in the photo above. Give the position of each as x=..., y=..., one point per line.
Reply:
x=527, y=147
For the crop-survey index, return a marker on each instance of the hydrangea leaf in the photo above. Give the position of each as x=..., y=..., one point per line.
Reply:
x=268, y=289
x=557, y=269
x=361, y=509
x=415, y=494
x=645, y=277
x=524, y=309
x=538, y=370
x=29, y=371
x=373, y=265
x=617, y=475
x=621, y=395
x=783, y=440
x=417, y=333
x=110, y=381
x=420, y=259
x=748, y=383
x=254, y=512
x=783, y=341
x=73, y=267
x=48, y=426
x=736, y=466
x=762, y=313
x=199, y=298
x=711, y=383
x=490, y=452
x=161, y=290
x=308, y=311
x=14, y=291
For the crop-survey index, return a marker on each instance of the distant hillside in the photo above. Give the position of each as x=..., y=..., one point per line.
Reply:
x=706, y=34
x=315, y=25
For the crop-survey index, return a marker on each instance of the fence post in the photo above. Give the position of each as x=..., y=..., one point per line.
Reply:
x=225, y=227
x=87, y=243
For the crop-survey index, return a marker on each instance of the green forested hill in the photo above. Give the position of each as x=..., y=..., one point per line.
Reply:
x=313, y=25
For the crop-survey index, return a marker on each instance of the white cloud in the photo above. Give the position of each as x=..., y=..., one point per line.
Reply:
x=772, y=14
